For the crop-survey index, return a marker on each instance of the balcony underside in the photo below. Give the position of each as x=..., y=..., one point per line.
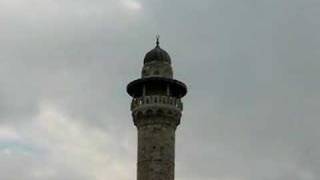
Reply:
x=177, y=88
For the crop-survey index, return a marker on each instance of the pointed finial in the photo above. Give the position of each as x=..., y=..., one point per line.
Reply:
x=158, y=37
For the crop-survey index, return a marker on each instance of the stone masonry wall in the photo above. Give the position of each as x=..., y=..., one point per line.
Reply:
x=156, y=149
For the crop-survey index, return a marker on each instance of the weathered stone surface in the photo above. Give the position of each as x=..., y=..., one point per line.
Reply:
x=156, y=152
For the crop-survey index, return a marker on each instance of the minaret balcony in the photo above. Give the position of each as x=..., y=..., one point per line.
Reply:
x=158, y=101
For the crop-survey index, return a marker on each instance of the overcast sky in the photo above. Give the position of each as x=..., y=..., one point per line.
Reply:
x=252, y=68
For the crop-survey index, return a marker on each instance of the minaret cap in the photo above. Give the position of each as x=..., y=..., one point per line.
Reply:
x=157, y=54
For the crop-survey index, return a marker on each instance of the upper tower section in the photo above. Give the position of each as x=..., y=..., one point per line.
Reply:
x=156, y=96
x=157, y=77
x=157, y=63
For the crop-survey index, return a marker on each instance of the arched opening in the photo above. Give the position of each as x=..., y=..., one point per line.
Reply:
x=160, y=112
x=139, y=114
x=149, y=112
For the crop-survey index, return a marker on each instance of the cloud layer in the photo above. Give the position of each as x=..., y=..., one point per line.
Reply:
x=252, y=69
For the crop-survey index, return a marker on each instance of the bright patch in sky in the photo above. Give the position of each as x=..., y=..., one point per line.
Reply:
x=73, y=145
x=131, y=4
x=7, y=133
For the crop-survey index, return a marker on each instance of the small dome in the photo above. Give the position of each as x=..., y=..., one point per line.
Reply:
x=157, y=55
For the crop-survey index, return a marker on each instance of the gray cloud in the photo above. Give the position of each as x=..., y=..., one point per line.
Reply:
x=251, y=66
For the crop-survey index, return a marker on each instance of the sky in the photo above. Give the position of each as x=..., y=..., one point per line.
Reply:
x=252, y=68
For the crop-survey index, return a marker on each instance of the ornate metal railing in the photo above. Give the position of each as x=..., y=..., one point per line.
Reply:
x=156, y=100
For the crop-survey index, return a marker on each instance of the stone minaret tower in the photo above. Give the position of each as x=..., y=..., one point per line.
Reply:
x=156, y=110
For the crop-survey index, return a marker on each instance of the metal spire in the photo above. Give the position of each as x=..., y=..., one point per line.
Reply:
x=158, y=37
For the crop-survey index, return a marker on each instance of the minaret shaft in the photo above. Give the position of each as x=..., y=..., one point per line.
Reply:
x=156, y=147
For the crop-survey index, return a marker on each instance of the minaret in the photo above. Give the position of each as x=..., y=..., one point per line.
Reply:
x=156, y=110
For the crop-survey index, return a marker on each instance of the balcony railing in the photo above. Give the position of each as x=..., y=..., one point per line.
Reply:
x=156, y=100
